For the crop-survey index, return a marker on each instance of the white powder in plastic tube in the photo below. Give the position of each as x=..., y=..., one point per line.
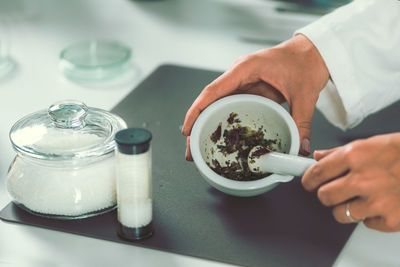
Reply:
x=134, y=185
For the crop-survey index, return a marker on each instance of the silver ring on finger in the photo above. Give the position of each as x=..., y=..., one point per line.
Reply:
x=348, y=213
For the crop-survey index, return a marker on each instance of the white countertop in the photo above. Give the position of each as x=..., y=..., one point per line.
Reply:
x=207, y=34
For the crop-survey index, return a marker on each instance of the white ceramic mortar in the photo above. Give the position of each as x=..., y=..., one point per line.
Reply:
x=253, y=111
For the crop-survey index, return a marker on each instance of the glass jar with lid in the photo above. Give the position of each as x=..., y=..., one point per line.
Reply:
x=64, y=167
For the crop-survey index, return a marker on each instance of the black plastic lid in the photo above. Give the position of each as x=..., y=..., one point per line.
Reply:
x=133, y=141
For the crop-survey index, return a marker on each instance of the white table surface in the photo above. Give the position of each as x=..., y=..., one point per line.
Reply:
x=208, y=34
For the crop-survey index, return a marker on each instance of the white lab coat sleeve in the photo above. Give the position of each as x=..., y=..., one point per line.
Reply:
x=360, y=44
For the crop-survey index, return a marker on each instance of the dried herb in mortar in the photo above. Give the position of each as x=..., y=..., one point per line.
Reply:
x=241, y=140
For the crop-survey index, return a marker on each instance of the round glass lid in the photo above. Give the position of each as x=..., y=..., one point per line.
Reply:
x=94, y=60
x=66, y=130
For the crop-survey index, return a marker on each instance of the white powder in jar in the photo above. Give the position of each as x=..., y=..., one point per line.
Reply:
x=62, y=191
x=135, y=213
x=134, y=189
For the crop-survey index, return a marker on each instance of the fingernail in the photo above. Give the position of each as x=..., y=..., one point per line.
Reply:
x=318, y=152
x=305, y=145
x=188, y=157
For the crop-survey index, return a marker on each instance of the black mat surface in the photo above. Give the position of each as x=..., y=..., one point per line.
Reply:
x=284, y=227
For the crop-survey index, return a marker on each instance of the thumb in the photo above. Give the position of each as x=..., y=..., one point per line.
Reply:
x=320, y=154
x=302, y=113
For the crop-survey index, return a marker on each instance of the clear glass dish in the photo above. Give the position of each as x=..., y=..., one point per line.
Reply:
x=95, y=60
x=64, y=167
x=7, y=63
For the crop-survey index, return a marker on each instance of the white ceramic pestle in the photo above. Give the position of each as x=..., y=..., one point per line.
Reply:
x=279, y=163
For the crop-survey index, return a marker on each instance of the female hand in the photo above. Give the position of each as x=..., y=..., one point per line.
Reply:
x=365, y=175
x=293, y=71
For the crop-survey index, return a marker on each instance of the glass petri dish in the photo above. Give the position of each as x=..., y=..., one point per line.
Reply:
x=7, y=65
x=94, y=60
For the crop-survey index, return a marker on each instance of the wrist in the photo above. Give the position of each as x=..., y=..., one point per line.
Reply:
x=308, y=60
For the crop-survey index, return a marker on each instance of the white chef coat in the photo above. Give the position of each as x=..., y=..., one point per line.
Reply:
x=360, y=43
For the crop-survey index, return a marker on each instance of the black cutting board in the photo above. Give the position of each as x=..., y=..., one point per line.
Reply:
x=284, y=227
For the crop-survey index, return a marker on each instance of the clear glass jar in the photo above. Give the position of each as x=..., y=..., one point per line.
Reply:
x=64, y=167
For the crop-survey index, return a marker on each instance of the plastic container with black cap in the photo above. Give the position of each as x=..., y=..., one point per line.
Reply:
x=134, y=185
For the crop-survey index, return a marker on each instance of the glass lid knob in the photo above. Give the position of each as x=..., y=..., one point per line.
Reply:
x=68, y=114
